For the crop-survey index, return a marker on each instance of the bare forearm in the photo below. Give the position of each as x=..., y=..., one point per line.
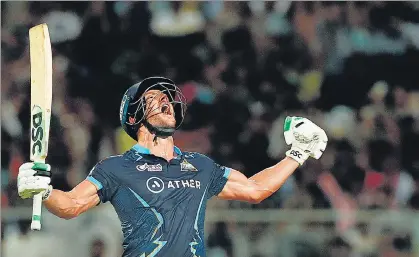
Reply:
x=260, y=186
x=271, y=179
x=66, y=206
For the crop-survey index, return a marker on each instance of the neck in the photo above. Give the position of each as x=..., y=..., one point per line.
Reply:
x=161, y=147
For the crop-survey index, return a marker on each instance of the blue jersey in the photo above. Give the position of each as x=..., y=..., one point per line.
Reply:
x=161, y=204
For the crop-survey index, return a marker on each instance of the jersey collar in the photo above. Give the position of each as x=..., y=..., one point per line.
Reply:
x=143, y=150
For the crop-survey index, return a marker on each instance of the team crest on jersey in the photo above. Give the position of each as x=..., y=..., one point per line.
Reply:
x=148, y=167
x=186, y=166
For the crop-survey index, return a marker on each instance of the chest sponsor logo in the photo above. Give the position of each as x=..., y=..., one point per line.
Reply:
x=186, y=166
x=157, y=185
x=149, y=167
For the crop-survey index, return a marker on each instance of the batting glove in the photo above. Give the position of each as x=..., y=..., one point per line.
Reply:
x=34, y=178
x=306, y=139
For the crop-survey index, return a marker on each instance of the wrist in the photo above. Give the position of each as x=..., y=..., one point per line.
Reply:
x=47, y=193
x=297, y=154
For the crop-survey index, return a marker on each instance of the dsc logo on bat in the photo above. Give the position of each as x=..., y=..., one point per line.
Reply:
x=37, y=133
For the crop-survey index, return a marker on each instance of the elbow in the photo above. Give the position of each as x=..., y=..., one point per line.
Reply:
x=254, y=201
x=73, y=213
x=68, y=217
x=67, y=214
x=255, y=198
x=65, y=217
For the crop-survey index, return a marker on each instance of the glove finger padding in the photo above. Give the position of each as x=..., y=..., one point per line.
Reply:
x=301, y=129
x=289, y=126
x=33, y=183
x=35, y=169
x=303, y=134
x=35, y=166
x=26, y=173
x=318, y=152
x=320, y=144
x=33, y=178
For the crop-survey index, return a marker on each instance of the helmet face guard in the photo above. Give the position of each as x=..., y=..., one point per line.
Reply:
x=134, y=110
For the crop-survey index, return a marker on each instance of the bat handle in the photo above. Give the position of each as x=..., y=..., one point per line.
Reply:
x=36, y=212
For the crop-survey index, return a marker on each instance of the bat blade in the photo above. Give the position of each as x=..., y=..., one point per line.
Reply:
x=41, y=91
x=41, y=100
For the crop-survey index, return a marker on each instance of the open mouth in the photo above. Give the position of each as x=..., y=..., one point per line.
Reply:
x=165, y=109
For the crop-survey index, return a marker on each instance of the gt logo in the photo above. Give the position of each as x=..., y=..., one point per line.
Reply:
x=37, y=130
x=295, y=153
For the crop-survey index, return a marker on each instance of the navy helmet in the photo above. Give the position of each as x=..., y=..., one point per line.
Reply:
x=133, y=112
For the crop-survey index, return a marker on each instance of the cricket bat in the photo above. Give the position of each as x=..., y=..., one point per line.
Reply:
x=41, y=98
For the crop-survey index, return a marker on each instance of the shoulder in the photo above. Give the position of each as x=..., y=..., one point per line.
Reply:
x=208, y=163
x=197, y=156
x=109, y=163
x=203, y=161
x=111, y=160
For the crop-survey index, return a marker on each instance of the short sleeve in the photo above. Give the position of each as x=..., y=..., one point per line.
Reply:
x=219, y=179
x=102, y=178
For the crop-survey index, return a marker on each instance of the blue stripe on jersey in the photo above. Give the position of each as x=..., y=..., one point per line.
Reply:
x=178, y=151
x=141, y=149
x=143, y=202
x=159, y=217
x=195, y=226
x=227, y=172
x=199, y=215
x=95, y=182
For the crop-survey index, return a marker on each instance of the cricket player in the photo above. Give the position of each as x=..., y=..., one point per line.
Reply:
x=159, y=191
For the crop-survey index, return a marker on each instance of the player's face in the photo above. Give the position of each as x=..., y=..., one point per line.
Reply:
x=160, y=111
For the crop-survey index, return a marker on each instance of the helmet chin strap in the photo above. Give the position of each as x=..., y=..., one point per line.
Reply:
x=162, y=132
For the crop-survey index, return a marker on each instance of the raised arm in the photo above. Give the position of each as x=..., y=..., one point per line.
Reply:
x=34, y=178
x=306, y=140
x=261, y=185
x=70, y=204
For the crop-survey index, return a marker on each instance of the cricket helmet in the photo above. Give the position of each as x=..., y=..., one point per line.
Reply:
x=133, y=110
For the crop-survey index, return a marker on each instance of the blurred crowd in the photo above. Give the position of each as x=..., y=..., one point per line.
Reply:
x=351, y=67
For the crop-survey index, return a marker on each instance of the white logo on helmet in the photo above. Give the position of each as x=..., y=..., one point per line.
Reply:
x=121, y=109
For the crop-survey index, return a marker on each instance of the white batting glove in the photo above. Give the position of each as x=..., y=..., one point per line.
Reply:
x=34, y=178
x=306, y=139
